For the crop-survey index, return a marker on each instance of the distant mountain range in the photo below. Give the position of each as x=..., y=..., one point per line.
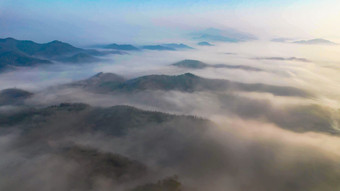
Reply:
x=79, y=58
x=11, y=59
x=126, y=47
x=204, y=43
x=172, y=47
x=106, y=83
x=157, y=47
x=25, y=53
x=195, y=64
x=160, y=47
x=112, y=83
x=47, y=50
x=315, y=41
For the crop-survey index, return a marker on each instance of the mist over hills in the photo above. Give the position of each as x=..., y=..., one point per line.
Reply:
x=113, y=121
x=126, y=148
x=315, y=41
x=126, y=47
x=185, y=82
x=12, y=59
x=143, y=91
x=13, y=96
x=157, y=95
x=39, y=129
x=155, y=120
x=160, y=47
x=79, y=58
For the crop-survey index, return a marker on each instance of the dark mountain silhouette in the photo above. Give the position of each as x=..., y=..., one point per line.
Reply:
x=186, y=82
x=195, y=64
x=46, y=50
x=13, y=96
x=56, y=48
x=42, y=127
x=114, y=121
x=25, y=53
x=11, y=59
x=128, y=47
x=80, y=58
x=100, y=80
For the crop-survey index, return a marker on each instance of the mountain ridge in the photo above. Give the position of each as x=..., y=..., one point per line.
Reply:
x=186, y=82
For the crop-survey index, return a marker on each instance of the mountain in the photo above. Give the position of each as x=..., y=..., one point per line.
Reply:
x=195, y=64
x=226, y=35
x=51, y=50
x=13, y=96
x=112, y=121
x=204, y=43
x=79, y=58
x=15, y=53
x=49, y=136
x=186, y=82
x=126, y=47
x=56, y=48
x=46, y=50
x=79, y=147
x=100, y=80
x=11, y=59
x=96, y=163
x=315, y=41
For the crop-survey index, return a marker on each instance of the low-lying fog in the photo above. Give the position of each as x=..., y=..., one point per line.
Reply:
x=311, y=67
x=261, y=141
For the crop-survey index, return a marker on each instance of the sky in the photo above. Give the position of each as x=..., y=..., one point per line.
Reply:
x=97, y=21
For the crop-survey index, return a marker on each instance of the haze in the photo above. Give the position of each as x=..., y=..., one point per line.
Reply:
x=149, y=95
